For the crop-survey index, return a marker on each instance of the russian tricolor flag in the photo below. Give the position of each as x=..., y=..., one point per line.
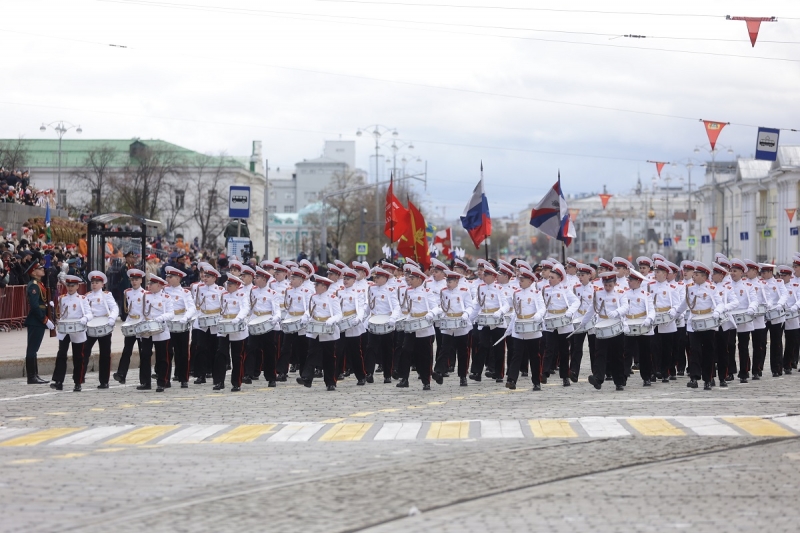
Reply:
x=476, y=219
x=551, y=215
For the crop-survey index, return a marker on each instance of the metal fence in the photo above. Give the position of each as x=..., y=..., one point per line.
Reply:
x=14, y=305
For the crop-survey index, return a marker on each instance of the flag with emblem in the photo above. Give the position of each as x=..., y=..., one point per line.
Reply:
x=551, y=215
x=414, y=243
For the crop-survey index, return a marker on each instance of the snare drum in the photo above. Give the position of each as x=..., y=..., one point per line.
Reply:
x=761, y=310
x=292, y=324
x=608, y=328
x=319, y=328
x=129, y=329
x=148, y=328
x=348, y=322
x=662, y=318
x=450, y=322
x=637, y=328
x=98, y=327
x=260, y=325
x=400, y=325
x=227, y=327
x=71, y=326
x=792, y=312
x=490, y=320
x=705, y=323
x=774, y=314
x=379, y=324
x=554, y=322
x=527, y=326
x=178, y=326
x=208, y=321
x=741, y=317
x=416, y=324
x=576, y=322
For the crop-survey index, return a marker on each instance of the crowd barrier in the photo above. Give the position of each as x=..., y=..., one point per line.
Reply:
x=14, y=305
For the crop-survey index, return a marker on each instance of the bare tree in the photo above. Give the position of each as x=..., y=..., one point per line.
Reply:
x=143, y=183
x=97, y=175
x=206, y=180
x=14, y=154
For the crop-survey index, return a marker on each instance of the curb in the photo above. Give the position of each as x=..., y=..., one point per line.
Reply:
x=15, y=368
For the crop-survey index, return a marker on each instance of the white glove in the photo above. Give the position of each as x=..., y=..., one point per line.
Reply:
x=625, y=330
x=430, y=316
x=672, y=314
x=112, y=321
x=84, y=320
x=465, y=316
x=569, y=316
x=276, y=320
x=392, y=322
x=613, y=314
x=50, y=324
x=750, y=313
x=715, y=315
x=304, y=320
x=497, y=314
x=648, y=322
x=160, y=318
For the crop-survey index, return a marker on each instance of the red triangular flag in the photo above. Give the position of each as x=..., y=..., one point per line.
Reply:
x=753, y=25
x=713, y=129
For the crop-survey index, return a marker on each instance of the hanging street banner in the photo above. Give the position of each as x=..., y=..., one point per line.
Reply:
x=790, y=213
x=604, y=198
x=713, y=231
x=753, y=25
x=659, y=166
x=713, y=129
x=767, y=144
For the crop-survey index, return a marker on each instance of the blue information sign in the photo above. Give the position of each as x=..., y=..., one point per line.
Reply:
x=767, y=144
x=239, y=202
x=744, y=236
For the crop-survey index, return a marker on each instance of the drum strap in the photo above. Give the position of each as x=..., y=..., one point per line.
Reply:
x=637, y=315
x=703, y=312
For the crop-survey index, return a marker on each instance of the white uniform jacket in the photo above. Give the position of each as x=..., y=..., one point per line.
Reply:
x=638, y=304
x=74, y=307
x=183, y=306
x=102, y=304
x=422, y=302
x=264, y=301
x=325, y=307
x=528, y=304
x=383, y=300
x=352, y=303
x=702, y=301
x=208, y=301
x=666, y=299
x=458, y=303
x=158, y=307
x=748, y=302
x=236, y=307
x=609, y=305
x=775, y=294
x=559, y=300
x=492, y=300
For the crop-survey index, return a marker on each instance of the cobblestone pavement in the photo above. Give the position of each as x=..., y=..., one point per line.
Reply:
x=286, y=458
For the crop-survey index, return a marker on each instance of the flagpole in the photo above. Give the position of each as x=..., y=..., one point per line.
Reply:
x=391, y=217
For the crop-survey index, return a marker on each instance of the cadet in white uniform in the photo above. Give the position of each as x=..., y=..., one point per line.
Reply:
x=456, y=302
x=72, y=306
x=491, y=300
x=560, y=300
x=295, y=346
x=527, y=304
x=666, y=300
x=584, y=291
x=132, y=304
x=639, y=305
x=382, y=300
x=775, y=294
x=323, y=306
x=355, y=337
x=102, y=304
x=184, y=310
x=235, y=307
x=157, y=306
x=422, y=304
x=261, y=349
x=791, y=325
x=208, y=301
x=608, y=304
x=759, y=321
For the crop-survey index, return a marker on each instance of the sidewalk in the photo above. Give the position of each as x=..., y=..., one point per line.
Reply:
x=12, y=354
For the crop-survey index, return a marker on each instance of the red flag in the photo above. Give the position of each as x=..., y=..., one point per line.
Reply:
x=753, y=25
x=659, y=166
x=443, y=240
x=414, y=243
x=396, y=215
x=713, y=231
x=790, y=213
x=604, y=198
x=713, y=129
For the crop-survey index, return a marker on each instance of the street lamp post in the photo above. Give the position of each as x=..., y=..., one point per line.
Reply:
x=61, y=127
x=714, y=186
x=377, y=132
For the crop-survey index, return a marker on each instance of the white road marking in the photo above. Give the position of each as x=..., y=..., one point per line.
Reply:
x=596, y=426
x=399, y=431
x=500, y=429
x=706, y=426
x=91, y=436
x=193, y=434
x=296, y=433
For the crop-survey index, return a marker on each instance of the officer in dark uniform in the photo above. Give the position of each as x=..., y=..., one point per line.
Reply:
x=36, y=321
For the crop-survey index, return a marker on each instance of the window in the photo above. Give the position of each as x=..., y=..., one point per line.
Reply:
x=312, y=196
x=678, y=227
x=272, y=209
x=271, y=195
x=180, y=196
x=289, y=196
x=62, y=197
x=288, y=209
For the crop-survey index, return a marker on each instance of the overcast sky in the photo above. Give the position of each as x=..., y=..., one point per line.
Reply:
x=464, y=84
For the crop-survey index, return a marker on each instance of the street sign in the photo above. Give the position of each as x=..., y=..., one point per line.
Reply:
x=239, y=201
x=705, y=239
x=362, y=248
x=691, y=241
x=767, y=144
x=793, y=231
x=744, y=236
x=667, y=242
x=767, y=233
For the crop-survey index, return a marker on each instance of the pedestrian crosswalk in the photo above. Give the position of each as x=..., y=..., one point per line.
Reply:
x=445, y=430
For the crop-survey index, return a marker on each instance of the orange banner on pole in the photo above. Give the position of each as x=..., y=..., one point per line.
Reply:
x=604, y=198
x=713, y=129
x=713, y=231
x=790, y=213
x=753, y=25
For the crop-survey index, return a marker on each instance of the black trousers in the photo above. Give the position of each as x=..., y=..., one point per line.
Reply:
x=663, y=348
x=576, y=352
x=61, y=361
x=399, y=343
x=639, y=346
x=703, y=348
x=722, y=341
x=382, y=349
x=731, y=338
x=458, y=345
x=320, y=354
x=525, y=349
x=260, y=355
x=194, y=351
x=610, y=353
x=35, y=337
x=127, y=351
x=791, y=347
x=775, y=347
x=550, y=352
x=744, y=354
x=234, y=350
x=562, y=349
x=759, y=350
x=353, y=350
x=206, y=352
x=679, y=352
x=438, y=334
x=179, y=352
x=294, y=349
x=105, y=355
x=162, y=362
x=421, y=355
x=496, y=355
x=341, y=356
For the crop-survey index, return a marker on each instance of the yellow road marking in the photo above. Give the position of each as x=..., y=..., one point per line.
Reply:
x=479, y=395
x=58, y=413
x=246, y=433
x=185, y=398
x=416, y=407
x=24, y=461
x=365, y=413
x=69, y=456
x=389, y=410
x=501, y=392
x=108, y=450
x=759, y=427
x=436, y=403
x=345, y=432
x=655, y=427
x=552, y=429
x=458, y=398
x=127, y=405
x=448, y=430
x=38, y=437
x=156, y=401
x=21, y=418
x=333, y=421
x=97, y=409
x=141, y=435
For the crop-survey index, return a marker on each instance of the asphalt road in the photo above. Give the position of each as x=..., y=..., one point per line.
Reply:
x=379, y=458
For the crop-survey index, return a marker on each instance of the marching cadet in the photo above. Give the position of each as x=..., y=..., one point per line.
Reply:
x=759, y=322
x=666, y=300
x=247, y=276
x=571, y=268
x=195, y=336
x=728, y=335
x=509, y=285
x=456, y=302
x=235, y=306
x=132, y=306
x=719, y=274
x=584, y=291
x=355, y=337
x=792, y=325
x=623, y=268
x=73, y=307
x=184, y=311
x=560, y=300
x=382, y=300
x=702, y=299
x=102, y=304
x=608, y=304
x=639, y=304
x=261, y=349
x=422, y=304
x=342, y=362
x=645, y=265
x=279, y=284
x=323, y=306
x=208, y=302
x=436, y=284
x=36, y=321
x=491, y=300
x=747, y=303
x=775, y=295
x=157, y=306
x=528, y=305
x=295, y=346
x=796, y=279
